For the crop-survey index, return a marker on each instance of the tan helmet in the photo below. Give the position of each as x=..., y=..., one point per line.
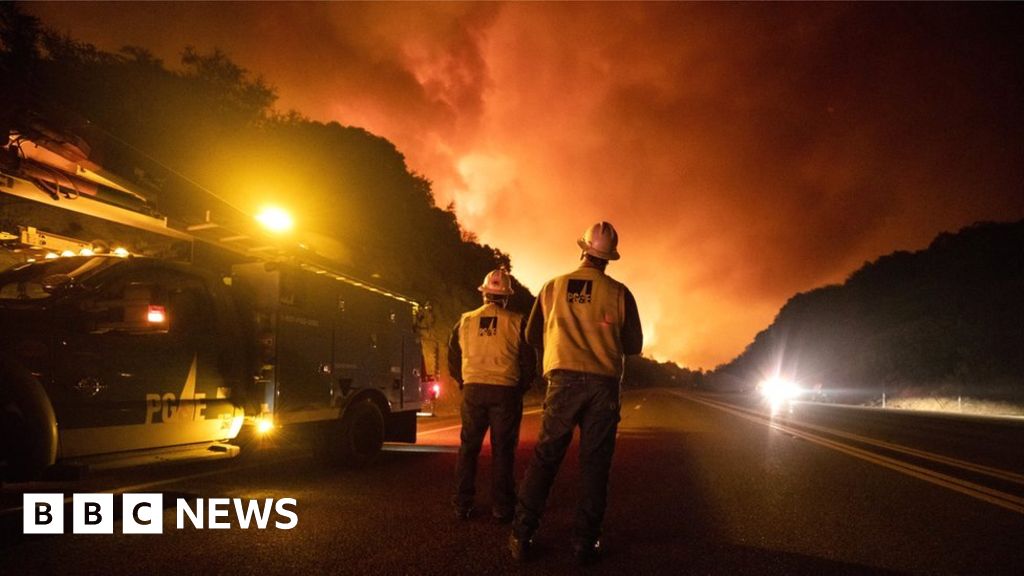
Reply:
x=601, y=241
x=497, y=282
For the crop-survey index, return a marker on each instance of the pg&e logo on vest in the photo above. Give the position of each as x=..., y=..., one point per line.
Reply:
x=488, y=325
x=580, y=291
x=144, y=513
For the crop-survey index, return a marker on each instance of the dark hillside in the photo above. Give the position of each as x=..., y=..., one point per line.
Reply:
x=946, y=321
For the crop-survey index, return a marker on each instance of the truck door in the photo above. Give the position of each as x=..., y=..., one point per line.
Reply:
x=392, y=354
x=412, y=371
x=141, y=369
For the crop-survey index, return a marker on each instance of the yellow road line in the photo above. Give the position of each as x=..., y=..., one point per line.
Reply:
x=997, y=497
x=984, y=493
x=979, y=468
x=948, y=460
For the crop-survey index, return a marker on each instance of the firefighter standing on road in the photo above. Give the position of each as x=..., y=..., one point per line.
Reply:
x=586, y=323
x=488, y=352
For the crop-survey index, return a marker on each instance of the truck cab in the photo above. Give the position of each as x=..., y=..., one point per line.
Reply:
x=219, y=333
x=129, y=354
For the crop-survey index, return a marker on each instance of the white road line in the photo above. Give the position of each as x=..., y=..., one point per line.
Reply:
x=421, y=448
x=148, y=485
x=457, y=426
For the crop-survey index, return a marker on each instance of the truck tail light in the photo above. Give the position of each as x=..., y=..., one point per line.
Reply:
x=156, y=315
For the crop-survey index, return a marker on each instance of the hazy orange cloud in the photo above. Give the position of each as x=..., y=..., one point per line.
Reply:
x=745, y=152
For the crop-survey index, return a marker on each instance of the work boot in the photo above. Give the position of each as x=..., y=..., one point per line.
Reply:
x=586, y=553
x=520, y=547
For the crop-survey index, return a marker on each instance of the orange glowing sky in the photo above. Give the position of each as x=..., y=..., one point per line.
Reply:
x=745, y=152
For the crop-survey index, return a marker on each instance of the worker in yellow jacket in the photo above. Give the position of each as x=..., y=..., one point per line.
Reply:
x=489, y=358
x=586, y=323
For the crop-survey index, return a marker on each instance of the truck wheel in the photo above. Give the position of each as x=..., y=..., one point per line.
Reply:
x=28, y=427
x=362, y=434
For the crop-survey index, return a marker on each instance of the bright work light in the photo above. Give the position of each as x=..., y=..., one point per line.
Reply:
x=275, y=219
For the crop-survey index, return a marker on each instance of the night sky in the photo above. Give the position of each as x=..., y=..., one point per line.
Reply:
x=745, y=152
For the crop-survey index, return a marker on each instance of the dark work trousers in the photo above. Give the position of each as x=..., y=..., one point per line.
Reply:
x=592, y=403
x=499, y=408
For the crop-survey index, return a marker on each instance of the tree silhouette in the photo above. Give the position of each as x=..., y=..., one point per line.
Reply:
x=209, y=130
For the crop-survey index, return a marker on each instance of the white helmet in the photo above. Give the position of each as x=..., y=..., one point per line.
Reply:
x=600, y=241
x=497, y=282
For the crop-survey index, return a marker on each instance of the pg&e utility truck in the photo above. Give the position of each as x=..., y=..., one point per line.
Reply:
x=107, y=357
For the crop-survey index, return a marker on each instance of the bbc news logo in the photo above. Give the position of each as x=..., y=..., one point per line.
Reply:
x=144, y=513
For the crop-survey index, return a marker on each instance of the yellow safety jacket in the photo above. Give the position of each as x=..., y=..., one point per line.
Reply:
x=584, y=312
x=490, y=339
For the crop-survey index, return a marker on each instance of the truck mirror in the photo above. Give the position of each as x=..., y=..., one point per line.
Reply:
x=55, y=282
x=424, y=317
x=136, y=312
x=141, y=313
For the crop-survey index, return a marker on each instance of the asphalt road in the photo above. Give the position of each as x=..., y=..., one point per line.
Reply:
x=698, y=487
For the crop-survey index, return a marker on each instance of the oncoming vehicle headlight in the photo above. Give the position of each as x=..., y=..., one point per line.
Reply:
x=778, y=388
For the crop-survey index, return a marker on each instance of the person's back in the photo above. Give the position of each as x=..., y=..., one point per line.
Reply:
x=586, y=322
x=490, y=336
x=489, y=358
x=583, y=318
